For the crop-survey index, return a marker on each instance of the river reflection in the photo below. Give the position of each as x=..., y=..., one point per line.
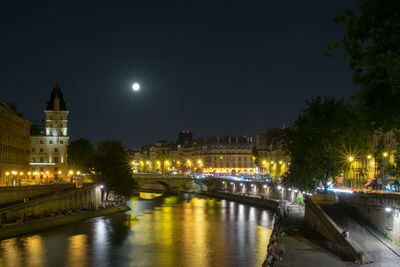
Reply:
x=172, y=231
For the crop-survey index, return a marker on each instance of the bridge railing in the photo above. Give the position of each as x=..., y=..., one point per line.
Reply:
x=163, y=176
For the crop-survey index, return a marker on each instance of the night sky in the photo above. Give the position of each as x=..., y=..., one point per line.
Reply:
x=218, y=68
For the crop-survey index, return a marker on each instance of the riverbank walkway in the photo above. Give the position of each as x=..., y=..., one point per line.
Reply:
x=299, y=251
x=381, y=251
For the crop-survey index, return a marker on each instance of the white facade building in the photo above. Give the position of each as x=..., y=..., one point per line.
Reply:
x=49, y=143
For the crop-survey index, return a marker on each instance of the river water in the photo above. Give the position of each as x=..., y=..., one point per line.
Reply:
x=184, y=230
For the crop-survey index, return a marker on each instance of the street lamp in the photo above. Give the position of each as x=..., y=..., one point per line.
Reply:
x=351, y=159
x=388, y=209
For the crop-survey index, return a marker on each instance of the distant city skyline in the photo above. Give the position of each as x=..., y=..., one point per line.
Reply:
x=220, y=69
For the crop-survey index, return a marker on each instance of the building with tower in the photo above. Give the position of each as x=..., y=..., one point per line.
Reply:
x=48, y=159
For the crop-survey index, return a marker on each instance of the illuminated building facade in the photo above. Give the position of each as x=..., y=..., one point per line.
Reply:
x=48, y=159
x=213, y=155
x=224, y=154
x=272, y=159
x=14, y=145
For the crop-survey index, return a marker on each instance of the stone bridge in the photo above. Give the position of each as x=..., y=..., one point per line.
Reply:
x=170, y=183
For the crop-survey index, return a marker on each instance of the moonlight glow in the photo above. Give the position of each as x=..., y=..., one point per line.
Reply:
x=135, y=87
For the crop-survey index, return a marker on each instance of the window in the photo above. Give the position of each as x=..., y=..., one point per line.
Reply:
x=33, y=149
x=41, y=141
x=41, y=150
x=41, y=169
x=41, y=160
x=55, y=159
x=51, y=142
x=61, y=141
x=33, y=159
x=56, y=149
x=33, y=141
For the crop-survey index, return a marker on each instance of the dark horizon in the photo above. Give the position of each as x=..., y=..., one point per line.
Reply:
x=214, y=69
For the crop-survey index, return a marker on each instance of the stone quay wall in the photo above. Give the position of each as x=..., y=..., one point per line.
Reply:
x=254, y=189
x=13, y=194
x=381, y=211
x=268, y=203
x=317, y=220
x=8, y=231
x=82, y=198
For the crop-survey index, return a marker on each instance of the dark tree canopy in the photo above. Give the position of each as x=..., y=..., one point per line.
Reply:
x=371, y=44
x=112, y=168
x=80, y=153
x=321, y=139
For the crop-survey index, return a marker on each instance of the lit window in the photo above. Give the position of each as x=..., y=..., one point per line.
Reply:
x=61, y=142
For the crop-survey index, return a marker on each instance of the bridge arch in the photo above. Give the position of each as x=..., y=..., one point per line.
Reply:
x=166, y=186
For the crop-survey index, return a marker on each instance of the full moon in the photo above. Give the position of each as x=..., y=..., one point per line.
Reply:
x=135, y=87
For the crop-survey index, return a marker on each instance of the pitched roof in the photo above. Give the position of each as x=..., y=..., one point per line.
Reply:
x=56, y=93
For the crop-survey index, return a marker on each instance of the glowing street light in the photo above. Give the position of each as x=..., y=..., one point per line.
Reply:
x=369, y=157
x=351, y=158
x=388, y=209
x=385, y=154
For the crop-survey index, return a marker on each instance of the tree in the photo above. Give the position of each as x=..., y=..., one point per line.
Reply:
x=371, y=44
x=393, y=169
x=321, y=140
x=256, y=157
x=80, y=153
x=111, y=167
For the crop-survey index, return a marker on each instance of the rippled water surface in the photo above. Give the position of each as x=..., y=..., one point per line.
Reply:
x=173, y=231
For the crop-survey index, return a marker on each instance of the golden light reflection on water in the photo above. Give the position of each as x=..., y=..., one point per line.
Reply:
x=170, y=231
x=192, y=233
x=11, y=253
x=77, y=252
x=149, y=195
x=35, y=250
